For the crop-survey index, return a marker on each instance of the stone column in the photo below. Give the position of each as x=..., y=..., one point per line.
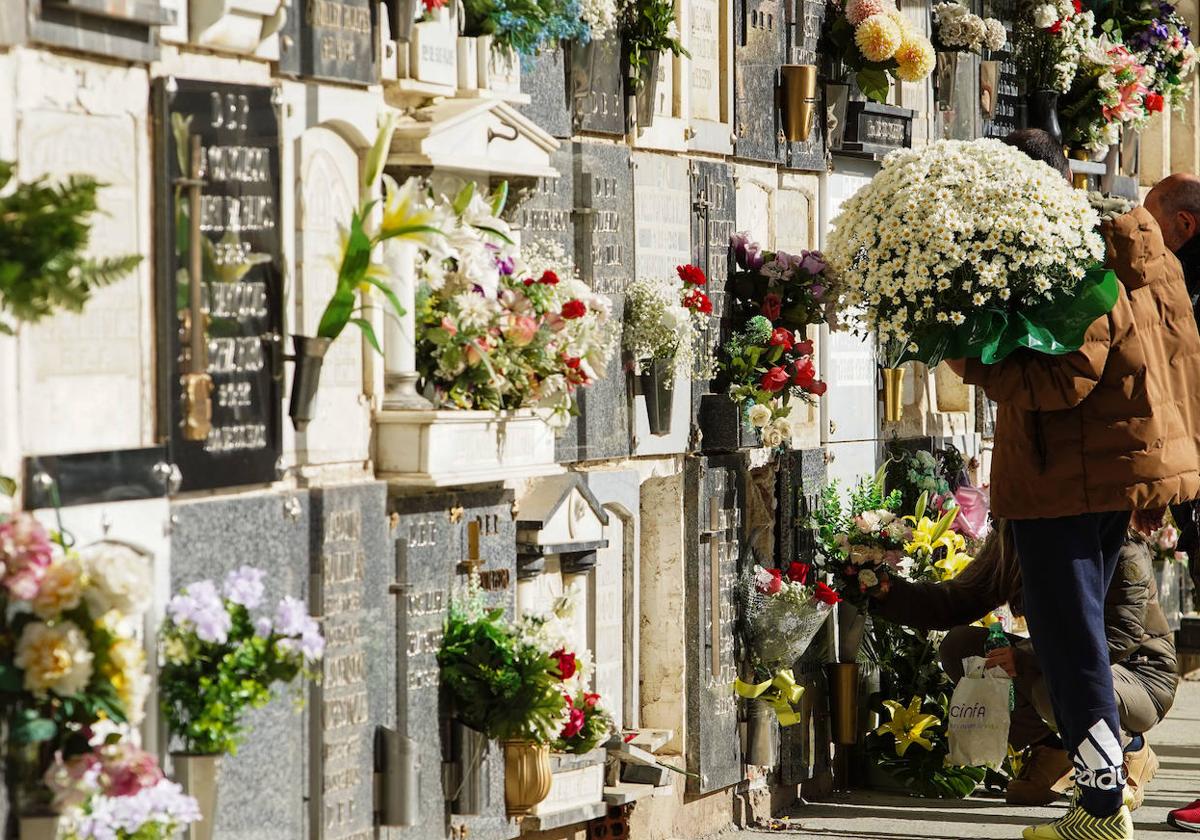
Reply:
x=399, y=334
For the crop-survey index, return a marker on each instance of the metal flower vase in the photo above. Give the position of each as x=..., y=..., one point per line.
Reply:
x=472, y=751
x=843, y=701
x=645, y=88
x=527, y=776
x=654, y=383
x=761, y=735
x=893, y=389
x=1042, y=112
x=406, y=16
x=197, y=775
x=306, y=379
x=852, y=626
x=38, y=828
x=799, y=100
x=945, y=78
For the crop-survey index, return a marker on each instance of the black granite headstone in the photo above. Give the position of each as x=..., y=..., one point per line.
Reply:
x=801, y=480
x=332, y=40
x=352, y=559
x=603, y=176
x=242, y=273
x=550, y=99
x=760, y=27
x=597, y=87
x=127, y=31
x=806, y=19
x=713, y=221
x=210, y=538
x=713, y=503
x=545, y=212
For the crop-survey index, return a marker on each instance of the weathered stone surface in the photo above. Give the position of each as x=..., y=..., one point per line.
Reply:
x=713, y=528
x=352, y=556
x=127, y=31
x=545, y=212
x=713, y=221
x=758, y=52
x=272, y=531
x=550, y=100
x=598, y=86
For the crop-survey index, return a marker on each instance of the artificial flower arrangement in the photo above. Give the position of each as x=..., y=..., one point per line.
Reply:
x=1051, y=38
x=588, y=724
x=117, y=792
x=875, y=41
x=1164, y=542
x=665, y=319
x=861, y=539
x=527, y=27
x=73, y=657
x=1160, y=37
x=767, y=362
x=1110, y=91
x=647, y=28
x=782, y=611
x=500, y=328
x=939, y=476
x=957, y=29
x=970, y=249
x=220, y=659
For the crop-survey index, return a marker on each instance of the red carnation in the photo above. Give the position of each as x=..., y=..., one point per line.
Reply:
x=691, y=275
x=805, y=373
x=528, y=281
x=574, y=309
x=590, y=700
x=1055, y=27
x=697, y=301
x=781, y=337
x=818, y=388
x=798, y=572
x=1154, y=102
x=775, y=584
x=775, y=380
x=1078, y=6
x=803, y=348
x=548, y=278
x=771, y=306
x=825, y=595
x=574, y=724
x=564, y=663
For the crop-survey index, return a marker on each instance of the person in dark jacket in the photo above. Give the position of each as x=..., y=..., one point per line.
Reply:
x=1175, y=205
x=1140, y=645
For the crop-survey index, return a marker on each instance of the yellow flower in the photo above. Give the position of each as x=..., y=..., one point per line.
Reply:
x=952, y=564
x=907, y=725
x=878, y=37
x=126, y=670
x=916, y=58
x=408, y=214
x=61, y=588
x=54, y=658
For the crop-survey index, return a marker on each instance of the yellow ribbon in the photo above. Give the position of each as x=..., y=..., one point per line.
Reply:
x=781, y=692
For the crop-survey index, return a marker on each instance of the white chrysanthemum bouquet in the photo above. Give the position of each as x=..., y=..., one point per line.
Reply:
x=969, y=249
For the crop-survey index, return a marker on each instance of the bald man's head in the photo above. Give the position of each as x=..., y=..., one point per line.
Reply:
x=1175, y=205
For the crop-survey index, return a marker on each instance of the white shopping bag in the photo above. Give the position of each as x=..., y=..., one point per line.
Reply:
x=979, y=717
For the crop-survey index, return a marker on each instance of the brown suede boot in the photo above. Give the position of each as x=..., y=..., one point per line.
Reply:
x=1140, y=768
x=1043, y=778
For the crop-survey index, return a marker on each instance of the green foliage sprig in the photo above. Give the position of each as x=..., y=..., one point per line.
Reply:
x=648, y=26
x=44, y=231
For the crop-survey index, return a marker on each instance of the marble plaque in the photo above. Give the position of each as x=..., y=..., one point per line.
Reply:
x=604, y=256
x=209, y=538
x=242, y=273
x=597, y=87
x=805, y=21
x=333, y=40
x=662, y=221
x=122, y=30
x=105, y=351
x=713, y=204
x=545, y=212
x=705, y=44
x=550, y=99
x=760, y=26
x=713, y=505
x=352, y=556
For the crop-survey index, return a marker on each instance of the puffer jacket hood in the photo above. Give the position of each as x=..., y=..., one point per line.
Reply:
x=1137, y=252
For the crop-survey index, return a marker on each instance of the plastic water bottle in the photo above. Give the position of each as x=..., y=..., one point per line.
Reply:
x=997, y=639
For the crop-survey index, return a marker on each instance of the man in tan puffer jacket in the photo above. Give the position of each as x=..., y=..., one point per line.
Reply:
x=1082, y=440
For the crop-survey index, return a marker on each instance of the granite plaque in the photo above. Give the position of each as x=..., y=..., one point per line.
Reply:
x=604, y=257
x=872, y=128
x=1001, y=100
x=713, y=221
x=545, y=212
x=805, y=21
x=332, y=40
x=713, y=502
x=122, y=30
x=758, y=52
x=241, y=270
x=801, y=480
x=210, y=538
x=549, y=97
x=352, y=559
x=598, y=87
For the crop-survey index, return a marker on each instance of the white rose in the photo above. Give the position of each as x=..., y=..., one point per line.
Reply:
x=772, y=438
x=868, y=578
x=760, y=415
x=118, y=578
x=784, y=426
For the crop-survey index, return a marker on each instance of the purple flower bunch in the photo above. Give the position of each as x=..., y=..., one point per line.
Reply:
x=164, y=807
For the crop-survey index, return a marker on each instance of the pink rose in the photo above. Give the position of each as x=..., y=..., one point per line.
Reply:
x=520, y=330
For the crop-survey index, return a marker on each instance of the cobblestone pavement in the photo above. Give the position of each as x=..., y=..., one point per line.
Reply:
x=877, y=816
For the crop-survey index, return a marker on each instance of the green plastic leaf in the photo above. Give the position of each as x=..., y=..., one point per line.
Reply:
x=464, y=198
x=387, y=292
x=369, y=331
x=500, y=198
x=874, y=83
x=8, y=486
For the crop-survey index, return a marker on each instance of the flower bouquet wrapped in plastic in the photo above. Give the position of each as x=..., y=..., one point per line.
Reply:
x=781, y=615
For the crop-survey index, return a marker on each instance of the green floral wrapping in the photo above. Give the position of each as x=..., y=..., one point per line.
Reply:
x=1054, y=328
